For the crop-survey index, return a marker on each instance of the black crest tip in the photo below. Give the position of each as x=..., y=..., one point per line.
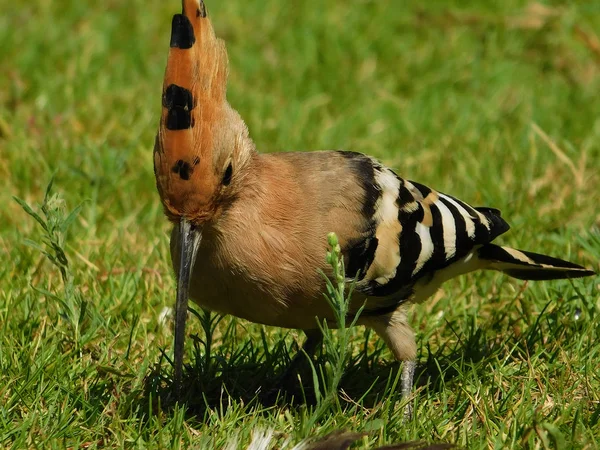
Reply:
x=182, y=32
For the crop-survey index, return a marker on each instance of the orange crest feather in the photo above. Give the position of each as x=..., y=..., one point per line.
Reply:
x=193, y=108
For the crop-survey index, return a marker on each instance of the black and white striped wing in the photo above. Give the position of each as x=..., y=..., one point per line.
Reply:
x=415, y=232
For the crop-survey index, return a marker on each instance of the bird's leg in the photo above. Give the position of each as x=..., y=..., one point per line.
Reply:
x=408, y=373
x=288, y=378
x=398, y=335
x=314, y=338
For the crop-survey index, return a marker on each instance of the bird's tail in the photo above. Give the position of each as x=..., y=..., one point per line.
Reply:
x=529, y=266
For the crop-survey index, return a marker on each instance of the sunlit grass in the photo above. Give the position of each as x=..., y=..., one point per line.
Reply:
x=494, y=102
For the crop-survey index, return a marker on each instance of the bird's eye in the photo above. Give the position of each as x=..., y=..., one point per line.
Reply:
x=227, y=176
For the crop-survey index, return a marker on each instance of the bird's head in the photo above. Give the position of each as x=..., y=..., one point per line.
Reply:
x=202, y=143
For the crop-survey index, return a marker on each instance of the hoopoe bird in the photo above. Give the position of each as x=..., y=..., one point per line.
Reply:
x=250, y=229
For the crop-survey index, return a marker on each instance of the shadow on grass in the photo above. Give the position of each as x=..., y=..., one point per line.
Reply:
x=252, y=375
x=249, y=372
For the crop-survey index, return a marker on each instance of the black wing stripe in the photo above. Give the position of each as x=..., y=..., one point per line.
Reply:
x=359, y=255
x=410, y=242
x=438, y=257
x=424, y=190
x=405, y=198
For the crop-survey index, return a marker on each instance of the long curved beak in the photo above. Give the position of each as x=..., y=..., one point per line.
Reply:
x=189, y=241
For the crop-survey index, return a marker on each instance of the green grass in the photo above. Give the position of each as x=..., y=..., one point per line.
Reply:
x=494, y=102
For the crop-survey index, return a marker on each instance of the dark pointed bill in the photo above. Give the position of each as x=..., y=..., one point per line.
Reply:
x=189, y=241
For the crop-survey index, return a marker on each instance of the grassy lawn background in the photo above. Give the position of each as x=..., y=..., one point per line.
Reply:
x=494, y=102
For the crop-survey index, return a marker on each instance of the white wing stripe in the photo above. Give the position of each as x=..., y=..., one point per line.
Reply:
x=470, y=226
x=449, y=227
x=426, y=246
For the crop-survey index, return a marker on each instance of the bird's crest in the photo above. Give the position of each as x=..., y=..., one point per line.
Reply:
x=193, y=107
